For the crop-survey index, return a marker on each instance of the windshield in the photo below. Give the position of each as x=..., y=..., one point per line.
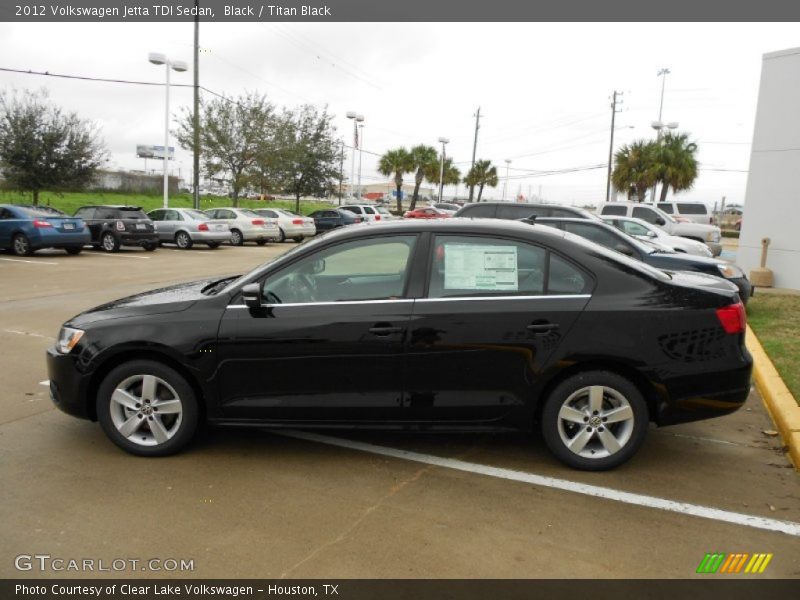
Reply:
x=133, y=213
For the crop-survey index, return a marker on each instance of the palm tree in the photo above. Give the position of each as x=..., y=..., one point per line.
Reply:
x=422, y=159
x=396, y=162
x=676, y=163
x=635, y=169
x=482, y=174
x=452, y=176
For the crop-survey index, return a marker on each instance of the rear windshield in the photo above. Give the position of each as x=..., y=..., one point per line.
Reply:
x=197, y=215
x=382, y=210
x=249, y=213
x=35, y=213
x=132, y=213
x=687, y=208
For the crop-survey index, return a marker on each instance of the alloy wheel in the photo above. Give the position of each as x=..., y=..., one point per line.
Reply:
x=109, y=243
x=22, y=246
x=595, y=422
x=146, y=410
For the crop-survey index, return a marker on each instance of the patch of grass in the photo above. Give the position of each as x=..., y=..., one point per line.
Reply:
x=730, y=233
x=776, y=321
x=69, y=202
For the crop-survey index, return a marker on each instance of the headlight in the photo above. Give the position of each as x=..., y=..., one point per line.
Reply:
x=712, y=236
x=67, y=338
x=729, y=271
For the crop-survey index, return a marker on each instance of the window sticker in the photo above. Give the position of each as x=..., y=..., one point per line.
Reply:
x=480, y=267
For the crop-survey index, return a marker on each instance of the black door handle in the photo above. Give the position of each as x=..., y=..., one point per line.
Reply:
x=385, y=330
x=542, y=327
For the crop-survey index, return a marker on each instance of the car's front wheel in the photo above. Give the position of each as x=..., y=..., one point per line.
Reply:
x=20, y=245
x=594, y=420
x=147, y=408
x=183, y=240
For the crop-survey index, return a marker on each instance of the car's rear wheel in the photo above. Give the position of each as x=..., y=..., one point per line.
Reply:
x=147, y=408
x=150, y=246
x=298, y=239
x=109, y=242
x=74, y=250
x=594, y=420
x=20, y=245
x=183, y=240
x=237, y=239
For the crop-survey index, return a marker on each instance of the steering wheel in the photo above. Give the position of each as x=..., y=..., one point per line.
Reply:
x=304, y=287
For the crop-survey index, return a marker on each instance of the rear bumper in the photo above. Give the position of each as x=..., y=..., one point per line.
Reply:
x=60, y=240
x=68, y=385
x=706, y=395
x=251, y=235
x=210, y=236
x=291, y=231
x=745, y=288
x=127, y=238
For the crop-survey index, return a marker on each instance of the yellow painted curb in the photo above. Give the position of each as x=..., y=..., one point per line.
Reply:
x=780, y=403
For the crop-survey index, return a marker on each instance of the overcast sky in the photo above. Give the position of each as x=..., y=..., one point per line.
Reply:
x=543, y=89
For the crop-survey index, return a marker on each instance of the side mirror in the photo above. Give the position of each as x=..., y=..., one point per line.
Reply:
x=624, y=249
x=251, y=294
x=651, y=234
x=660, y=221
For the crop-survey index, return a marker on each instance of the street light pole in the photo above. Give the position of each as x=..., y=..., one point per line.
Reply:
x=179, y=66
x=444, y=141
x=360, y=144
x=611, y=143
x=356, y=120
x=505, y=183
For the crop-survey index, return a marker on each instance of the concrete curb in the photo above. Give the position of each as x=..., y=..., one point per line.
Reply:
x=780, y=403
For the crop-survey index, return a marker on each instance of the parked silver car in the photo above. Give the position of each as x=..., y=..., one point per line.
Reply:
x=185, y=226
x=642, y=230
x=293, y=226
x=246, y=226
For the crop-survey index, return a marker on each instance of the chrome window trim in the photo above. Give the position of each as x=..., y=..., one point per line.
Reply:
x=400, y=300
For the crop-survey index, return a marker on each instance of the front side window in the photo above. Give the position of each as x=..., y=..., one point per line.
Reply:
x=633, y=228
x=372, y=269
x=518, y=212
x=666, y=207
x=353, y=209
x=645, y=213
x=369, y=210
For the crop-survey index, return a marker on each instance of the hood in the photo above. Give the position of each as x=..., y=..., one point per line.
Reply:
x=174, y=298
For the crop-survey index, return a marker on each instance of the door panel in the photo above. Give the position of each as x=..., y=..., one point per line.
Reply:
x=315, y=362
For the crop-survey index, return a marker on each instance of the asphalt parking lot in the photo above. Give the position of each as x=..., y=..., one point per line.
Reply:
x=257, y=504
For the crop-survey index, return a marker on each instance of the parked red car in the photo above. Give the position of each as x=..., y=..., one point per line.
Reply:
x=428, y=212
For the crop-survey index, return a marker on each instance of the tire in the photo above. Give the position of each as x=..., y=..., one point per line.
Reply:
x=213, y=245
x=73, y=250
x=150, y=246
x=568, y=418
x=282, y=236
x=131, y=419
x=183, y=240
x=109, y=242
x=20, y=245
x=261, y=242
x=237, y=239
x=298, y=240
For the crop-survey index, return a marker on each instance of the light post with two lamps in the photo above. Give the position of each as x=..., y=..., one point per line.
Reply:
x=356, y=120
x=179, y=66
x=443, y=141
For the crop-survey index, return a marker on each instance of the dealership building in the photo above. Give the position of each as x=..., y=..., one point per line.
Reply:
x=773, y=184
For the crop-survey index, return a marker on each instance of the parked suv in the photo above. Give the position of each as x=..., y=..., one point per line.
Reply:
x=369, y=212
x=708, y=234
x=696, y=212
x=112, y=226
x=514, y=210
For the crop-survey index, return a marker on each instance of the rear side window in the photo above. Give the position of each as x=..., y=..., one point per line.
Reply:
x=565, y=278
x=598, y=235
x=368, y=210
x=85, y=213
x=516, y=212
x=645, y=213
x=197, y=215
x=616, y=210
x=353, y=209
x=5, y=214
x=692, y=208
x=477, y=211
x=666, y=207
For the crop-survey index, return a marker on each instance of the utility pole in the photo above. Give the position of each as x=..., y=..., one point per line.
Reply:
x=341, y=174
x=475, y=147
x=614, y=112
x=196, y=111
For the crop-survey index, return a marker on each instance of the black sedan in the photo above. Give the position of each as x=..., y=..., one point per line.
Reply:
x=461, y=325
x=611, y=237
x=333, y=218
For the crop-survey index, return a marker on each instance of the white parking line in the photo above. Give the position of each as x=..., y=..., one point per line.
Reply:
x=33, y=262
x=683, y=508
x=116, y=256
x=36, y=335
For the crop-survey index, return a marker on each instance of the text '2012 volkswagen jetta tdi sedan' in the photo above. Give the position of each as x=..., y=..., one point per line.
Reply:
x=426, y=325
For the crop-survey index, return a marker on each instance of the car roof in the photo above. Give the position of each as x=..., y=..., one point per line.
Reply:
x=119, y=206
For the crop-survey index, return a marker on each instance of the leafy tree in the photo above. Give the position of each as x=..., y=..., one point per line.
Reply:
x=307, y=152
x=232, y=133
x=42, y=147
x=396, y=162
x=481, y=175
x=452, y=176
x=676, y=164
x=635, y=168
x=423, y=158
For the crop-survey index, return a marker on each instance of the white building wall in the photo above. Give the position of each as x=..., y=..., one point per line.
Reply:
x=772, y=198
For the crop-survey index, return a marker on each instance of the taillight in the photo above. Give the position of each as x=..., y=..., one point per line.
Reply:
x=377, y=217
x=732, y=318
x=202, y=227
x=297, y=221
x=120, y=226
x=41, y=224
x=258, y=221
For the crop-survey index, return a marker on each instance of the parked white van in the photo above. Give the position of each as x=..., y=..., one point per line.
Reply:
x=697, y=212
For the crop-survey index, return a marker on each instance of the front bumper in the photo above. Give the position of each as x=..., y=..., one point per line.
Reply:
x=68, y=385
